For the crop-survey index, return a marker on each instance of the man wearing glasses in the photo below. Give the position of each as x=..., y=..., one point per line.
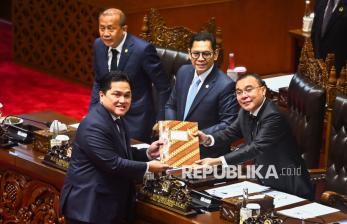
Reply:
x=268, y=140
x=203, y=93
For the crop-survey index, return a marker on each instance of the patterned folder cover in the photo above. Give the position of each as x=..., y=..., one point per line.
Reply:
x=180, y=147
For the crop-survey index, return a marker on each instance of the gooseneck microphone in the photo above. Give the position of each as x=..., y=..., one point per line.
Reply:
x=47, y=123
x=19, y=134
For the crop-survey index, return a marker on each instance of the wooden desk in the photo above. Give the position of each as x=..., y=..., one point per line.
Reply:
x=297, y=41
x=24, y=159
x=28, y=163
x=155, y=214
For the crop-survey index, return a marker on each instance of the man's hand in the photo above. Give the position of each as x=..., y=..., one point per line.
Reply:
x=156, y=166
x=153, y=149
x=155, y=130
x=203, y=138
x=208, y=162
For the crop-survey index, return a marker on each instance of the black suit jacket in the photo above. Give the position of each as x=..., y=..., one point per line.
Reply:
x=99, y=185
x=269, y=142
x=334, y=39
x=214, y=107
x=140, y=61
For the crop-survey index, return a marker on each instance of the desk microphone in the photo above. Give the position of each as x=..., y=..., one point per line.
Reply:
x=47, y=123
x=19, y=134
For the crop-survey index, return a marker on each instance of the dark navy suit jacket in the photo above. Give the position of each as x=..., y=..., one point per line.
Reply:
x=140, y=61
x=334, y=39
x=99, y=185
x=214, y=107
x=268, y=141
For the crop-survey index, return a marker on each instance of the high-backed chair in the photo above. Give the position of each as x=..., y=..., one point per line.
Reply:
x=336, y=172
x=172, y=60
x=306, y=106
x=177, y=38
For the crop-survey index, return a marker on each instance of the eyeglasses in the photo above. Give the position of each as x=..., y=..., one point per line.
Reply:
x=205, y=54
x=246, y=90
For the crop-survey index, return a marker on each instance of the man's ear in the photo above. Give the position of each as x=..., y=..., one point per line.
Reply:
x=189, y=54
x=265, y=90
x=216, y=53
x=125, y=28
x=101, y=95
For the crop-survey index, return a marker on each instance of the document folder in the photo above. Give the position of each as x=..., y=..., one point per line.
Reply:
x=180, y=147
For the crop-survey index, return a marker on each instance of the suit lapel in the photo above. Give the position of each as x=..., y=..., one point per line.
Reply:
x=125, y=141
x=336, y=15
x=127, y=50
x=186, y=84
x=127, y=147
x=204, y=89
x=251, y=127
x=104, y=62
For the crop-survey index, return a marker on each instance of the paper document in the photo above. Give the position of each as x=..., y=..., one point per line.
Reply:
x=180, y=146
x=282, y=199
x=277, y=82
x=74, y=125
x=308, y=211
x=140, y=146
x=174, y=170
x=233, y=190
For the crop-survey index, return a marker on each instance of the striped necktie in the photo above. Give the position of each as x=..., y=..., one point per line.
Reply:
x=327, y=15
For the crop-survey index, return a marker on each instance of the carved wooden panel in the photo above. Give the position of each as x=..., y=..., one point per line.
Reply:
x=154, y=30
x=25, y=201
x=55, y=36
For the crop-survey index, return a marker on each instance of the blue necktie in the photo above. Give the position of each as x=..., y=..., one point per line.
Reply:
x=191, y=95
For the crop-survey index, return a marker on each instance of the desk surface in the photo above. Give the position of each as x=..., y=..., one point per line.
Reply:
x=25, y=160
x=29, y=162
x=298, y=33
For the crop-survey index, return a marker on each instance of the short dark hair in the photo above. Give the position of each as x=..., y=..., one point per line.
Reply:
x=203, y=36
x=260, y=81
x=113, y=76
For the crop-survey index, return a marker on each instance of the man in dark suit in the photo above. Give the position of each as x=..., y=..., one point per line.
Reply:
x=329, y=31
x=214, y=105
x=118, y=50
x=268, y=140
x=99, y=185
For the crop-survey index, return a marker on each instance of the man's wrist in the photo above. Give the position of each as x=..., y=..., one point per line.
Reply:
x=209, y=141
x=148, y=155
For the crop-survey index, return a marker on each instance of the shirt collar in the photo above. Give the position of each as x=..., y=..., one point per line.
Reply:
x=120, y=45
x=255, y=113
x=203, y=75
x=114, y=117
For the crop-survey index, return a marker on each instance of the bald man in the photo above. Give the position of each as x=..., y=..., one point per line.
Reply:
x=116, y=49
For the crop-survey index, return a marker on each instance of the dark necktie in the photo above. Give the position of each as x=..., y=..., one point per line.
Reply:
x=121, y=131
x=254, y=125
x=327, y=15
x=114, y=60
